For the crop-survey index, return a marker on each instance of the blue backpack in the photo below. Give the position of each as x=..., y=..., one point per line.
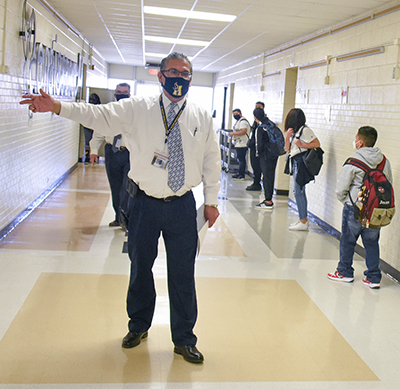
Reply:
x=276, y=141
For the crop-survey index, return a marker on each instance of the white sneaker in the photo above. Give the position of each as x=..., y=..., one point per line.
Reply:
x=293, y=224
x=299, y=226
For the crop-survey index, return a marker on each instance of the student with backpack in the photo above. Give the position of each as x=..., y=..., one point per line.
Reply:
x=270, y=144
x=299, y=139
x=351, y=182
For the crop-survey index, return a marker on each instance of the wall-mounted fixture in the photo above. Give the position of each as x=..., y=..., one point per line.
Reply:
x=53, y=41
x=314, y=64
x=265, y=75
x=360, y=54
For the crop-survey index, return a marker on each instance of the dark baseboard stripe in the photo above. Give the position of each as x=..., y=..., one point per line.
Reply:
x=32, y=206
x=385, y=267
x=281, y=192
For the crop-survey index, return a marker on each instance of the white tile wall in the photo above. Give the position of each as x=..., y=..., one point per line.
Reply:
x=34, y=151
x=373, y=99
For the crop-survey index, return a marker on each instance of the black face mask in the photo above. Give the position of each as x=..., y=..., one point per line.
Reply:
x=236, y=117
x=120, y=96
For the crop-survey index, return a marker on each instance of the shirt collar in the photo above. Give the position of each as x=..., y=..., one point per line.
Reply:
x=167, y=101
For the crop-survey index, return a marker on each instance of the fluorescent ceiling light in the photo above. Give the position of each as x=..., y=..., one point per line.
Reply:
x=156, y=55
x=175, y=41
x=180, y=13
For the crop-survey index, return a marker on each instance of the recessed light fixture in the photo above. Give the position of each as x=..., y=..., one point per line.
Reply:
x=180, y=13
x=175, y=41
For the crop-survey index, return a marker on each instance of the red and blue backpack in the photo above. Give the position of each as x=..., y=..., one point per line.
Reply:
x=374, y=206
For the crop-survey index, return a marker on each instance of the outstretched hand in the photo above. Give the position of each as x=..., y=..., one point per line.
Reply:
x=41, y=103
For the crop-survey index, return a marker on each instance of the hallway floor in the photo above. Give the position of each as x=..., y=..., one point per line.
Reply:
x=268, y=315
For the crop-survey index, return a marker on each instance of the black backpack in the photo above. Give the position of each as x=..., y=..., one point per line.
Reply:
x=276, y=141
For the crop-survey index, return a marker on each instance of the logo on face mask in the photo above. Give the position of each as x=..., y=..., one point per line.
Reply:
x=177, y=90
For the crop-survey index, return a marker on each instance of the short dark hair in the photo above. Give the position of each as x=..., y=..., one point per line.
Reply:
x=368, y=135
x=238, y=110
x=259, y=113
x=124, y=85
x=261, y=103
x=295, y=119
x=174, y=55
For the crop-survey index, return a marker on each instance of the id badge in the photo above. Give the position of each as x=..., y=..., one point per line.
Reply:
x=160, y=159
x=118, y=143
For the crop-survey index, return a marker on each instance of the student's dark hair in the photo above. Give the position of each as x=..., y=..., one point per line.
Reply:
x=368, y=135
x=174, y=55
x=124, y=85
x=295, y=119
x=94, y=99
x=261, y=103
x=238, y=110
x=259, y=113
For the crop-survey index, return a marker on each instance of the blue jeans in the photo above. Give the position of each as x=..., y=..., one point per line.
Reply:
x=299, y=193
x=351, y=230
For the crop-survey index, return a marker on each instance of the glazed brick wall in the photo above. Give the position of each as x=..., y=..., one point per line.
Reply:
x=35, y=151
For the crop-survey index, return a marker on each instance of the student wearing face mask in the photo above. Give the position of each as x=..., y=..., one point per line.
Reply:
x=267, y=157
x=116, y=156
x=348, y=184
x=254, y=158
x=240, y=136
x=174, y=148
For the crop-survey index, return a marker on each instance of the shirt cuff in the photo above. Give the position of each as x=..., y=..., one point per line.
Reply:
x=65, y=111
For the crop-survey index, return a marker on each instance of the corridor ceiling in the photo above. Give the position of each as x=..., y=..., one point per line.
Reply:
x=117, y=28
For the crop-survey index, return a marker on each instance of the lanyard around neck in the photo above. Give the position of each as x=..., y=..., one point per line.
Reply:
x=171, y=126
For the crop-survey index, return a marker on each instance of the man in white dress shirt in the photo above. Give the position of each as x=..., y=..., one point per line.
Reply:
x=163, y=146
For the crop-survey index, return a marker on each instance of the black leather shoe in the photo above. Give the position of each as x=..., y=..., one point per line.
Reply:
x=189, y=353
x=132, y=339
x=114, y=223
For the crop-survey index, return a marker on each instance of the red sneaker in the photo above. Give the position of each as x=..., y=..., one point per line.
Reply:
x=337, y=277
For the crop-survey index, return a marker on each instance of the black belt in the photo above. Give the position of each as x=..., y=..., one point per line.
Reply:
x=169, y=198
x=133, y=189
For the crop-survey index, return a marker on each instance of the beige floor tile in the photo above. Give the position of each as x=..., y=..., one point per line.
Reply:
x=70, y=327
